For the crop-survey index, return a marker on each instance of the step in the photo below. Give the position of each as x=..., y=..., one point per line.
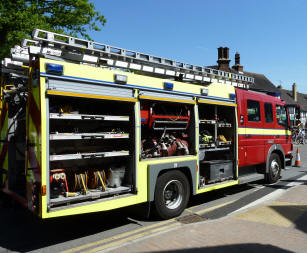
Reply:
x=250, y=178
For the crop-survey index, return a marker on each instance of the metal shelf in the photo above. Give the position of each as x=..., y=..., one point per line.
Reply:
x=205, y=121
x=211, y=145
x=170, y=125
x=224, y=125
x=87, y=117
x=85, y=136
x=222, y=143
x=88, y=155
x=92, y=194
x=213, y=149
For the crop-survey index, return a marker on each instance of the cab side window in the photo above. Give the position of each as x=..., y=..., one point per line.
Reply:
x=281, y=115
x=253, y=110
x=268, y=110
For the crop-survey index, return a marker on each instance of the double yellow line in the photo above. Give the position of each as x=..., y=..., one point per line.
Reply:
x=120, y=239
x=117, y=240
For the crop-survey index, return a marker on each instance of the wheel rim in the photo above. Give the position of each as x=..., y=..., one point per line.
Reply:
x=173, y=194
x=275, y=167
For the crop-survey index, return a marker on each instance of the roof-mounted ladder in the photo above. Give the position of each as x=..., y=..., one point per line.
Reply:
x=50, y=44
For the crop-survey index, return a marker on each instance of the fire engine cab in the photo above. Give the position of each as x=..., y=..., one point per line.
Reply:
x=88, y=127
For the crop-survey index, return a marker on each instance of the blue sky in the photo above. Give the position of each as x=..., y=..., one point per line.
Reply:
x=271, y=35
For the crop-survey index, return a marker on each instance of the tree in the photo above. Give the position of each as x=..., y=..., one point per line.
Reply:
x=19, y=17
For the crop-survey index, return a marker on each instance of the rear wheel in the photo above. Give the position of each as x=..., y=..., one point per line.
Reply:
x=274, y=169
x=171, y=194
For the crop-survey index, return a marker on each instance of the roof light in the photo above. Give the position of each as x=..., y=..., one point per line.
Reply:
x=122, y=79
x=54, y=68
x=168, y=86
x=232, y=96
x=204, y=92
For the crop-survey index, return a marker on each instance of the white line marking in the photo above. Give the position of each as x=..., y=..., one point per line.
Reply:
x=271, y=196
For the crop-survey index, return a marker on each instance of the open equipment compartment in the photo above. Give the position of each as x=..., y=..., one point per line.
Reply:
x=168, y=129
x=91, y=149
x=217, y=142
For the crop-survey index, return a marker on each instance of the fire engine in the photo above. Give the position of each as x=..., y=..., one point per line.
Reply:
x=88, y=127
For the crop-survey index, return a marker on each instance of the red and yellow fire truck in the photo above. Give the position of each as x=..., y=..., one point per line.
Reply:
x=94, y=127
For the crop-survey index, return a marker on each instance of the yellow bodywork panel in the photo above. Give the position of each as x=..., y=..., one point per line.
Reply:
x=106, y=77
x=90, y=73
x=3, y=135
x=218, y=186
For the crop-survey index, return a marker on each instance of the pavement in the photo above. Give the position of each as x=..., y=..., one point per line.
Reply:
x=275, y=223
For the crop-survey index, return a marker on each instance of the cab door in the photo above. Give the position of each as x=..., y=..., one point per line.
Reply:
x=269, y=125
x=281, y=127
x=254, y=139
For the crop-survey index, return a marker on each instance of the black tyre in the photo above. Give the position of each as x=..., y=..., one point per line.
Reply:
x=171, y=194
x=274, y=169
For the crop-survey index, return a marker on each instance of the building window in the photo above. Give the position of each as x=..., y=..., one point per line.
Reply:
x=253, y=110
x=268, y=112
x=281, y=115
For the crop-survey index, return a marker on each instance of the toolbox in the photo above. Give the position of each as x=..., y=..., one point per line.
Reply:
x=216, y=170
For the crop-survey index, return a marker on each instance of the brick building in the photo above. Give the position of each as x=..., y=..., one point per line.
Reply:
x=262, y=83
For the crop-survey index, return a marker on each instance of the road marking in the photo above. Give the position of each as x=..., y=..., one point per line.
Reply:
x=115, y=237
x=273, y=195
x=214, y=207
x=133, y=237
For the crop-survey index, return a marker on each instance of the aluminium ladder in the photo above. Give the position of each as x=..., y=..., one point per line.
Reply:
x=58, y=46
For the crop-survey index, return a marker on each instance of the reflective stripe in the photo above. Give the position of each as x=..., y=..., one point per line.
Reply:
x=215, y=102
x=72, y=94
x=262, y=131
x=167, y=99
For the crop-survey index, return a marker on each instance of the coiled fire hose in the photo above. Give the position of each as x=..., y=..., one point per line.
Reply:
x=96, y=179
x=78, y=182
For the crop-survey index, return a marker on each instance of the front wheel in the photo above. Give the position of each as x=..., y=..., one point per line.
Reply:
x=172, y=194
x=274, y=169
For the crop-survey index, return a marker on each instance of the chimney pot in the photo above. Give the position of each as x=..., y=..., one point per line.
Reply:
x=237, y=67
x=223, y=59
x=237, y=58
x=294, y=92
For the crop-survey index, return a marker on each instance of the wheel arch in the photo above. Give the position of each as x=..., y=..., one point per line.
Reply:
x=277, y=149
x=188, y=168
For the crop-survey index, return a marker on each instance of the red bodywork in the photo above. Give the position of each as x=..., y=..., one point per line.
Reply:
x=255, y=139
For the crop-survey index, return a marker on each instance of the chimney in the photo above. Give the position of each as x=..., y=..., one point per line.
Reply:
x=237, y=67
x=223, y=58
x=294, y=92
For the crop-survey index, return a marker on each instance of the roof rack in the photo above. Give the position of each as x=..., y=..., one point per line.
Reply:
x=75, y=49
x=53, y=45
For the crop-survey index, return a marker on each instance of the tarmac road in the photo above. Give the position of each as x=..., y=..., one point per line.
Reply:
x=20, y=232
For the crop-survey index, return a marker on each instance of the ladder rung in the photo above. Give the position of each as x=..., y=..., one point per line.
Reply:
x=130, y=59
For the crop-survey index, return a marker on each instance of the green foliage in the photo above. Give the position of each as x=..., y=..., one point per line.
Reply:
x=19, y=17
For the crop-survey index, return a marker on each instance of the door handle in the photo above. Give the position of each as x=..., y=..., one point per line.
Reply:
x=249, y=136
x=277, y=136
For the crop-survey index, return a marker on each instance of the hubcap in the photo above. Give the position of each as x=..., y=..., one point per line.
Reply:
x=173, y=194
x=274, y=167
